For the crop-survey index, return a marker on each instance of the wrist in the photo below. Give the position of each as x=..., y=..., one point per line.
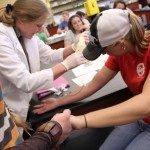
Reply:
x=85, y=121
x=73, y=47
x=65, y=65
x=58, y=102
x=53, y=128
x=82, y=123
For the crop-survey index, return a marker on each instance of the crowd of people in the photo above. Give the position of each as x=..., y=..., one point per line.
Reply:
x=21, y=52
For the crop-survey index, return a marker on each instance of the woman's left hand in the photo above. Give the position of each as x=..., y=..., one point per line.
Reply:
x=45, y=106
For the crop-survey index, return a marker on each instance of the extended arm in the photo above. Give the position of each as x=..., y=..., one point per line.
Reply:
x=100, y=79
x=59, y=31
x=129, y=111
x=14, y=66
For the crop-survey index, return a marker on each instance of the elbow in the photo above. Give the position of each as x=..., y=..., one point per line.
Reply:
x=146, y=112
x=24, y=85
x=25, y=88
x=141, y=105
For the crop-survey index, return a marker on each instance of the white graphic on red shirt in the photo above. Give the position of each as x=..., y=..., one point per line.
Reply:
x=140, y=69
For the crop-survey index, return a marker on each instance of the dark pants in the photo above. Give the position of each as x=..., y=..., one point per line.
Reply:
x=87, y=138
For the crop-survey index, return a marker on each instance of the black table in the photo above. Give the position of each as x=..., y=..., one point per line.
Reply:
x=91, y=103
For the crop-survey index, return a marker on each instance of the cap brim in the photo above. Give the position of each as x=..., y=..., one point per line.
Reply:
x=92, y=51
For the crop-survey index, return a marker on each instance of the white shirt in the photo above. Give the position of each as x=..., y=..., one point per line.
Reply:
x=18, y=83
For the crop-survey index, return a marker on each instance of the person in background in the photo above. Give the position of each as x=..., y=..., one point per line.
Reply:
x=83, y=17
x=21, y=53
x=76, y=26
x=44, y=34
x=63, y=26
x=120, y=4
x=147, y=6
x=143, y=3
x=128, y=47
x=10, y=138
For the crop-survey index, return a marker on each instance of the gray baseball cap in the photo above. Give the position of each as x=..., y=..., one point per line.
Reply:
x=107, y=28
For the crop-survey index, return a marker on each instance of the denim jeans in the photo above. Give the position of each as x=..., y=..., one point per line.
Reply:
x=134, y=136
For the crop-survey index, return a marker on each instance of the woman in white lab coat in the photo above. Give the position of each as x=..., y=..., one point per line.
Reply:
x=20, y=72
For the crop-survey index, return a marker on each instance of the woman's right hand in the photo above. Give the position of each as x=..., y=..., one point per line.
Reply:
x=45, y=106
x=81, y=41
x=74, y=60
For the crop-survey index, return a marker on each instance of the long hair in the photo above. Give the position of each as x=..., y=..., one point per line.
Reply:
x=138, y=34
x=80, y=13
x=70, y=26
x=28, y=10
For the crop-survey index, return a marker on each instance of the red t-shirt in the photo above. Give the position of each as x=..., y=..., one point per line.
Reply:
x=134, y=70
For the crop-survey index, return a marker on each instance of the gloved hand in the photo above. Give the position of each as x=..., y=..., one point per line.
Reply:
x=86, y=27
x=81, y=41
x=80, y=45
x=74, y=60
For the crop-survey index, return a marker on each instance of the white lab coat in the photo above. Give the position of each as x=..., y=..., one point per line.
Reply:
x=18, y=84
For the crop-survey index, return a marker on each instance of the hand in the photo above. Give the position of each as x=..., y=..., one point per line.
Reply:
x=74, y=60
x=64, y=120
x=80, y=45
x=84, y=36
x=45, y=106
x=86, y=27
x=66, y=28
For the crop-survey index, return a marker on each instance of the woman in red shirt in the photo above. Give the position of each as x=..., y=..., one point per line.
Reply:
x=120, y=34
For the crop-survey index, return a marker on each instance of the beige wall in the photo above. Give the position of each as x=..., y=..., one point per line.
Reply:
x=3, y=3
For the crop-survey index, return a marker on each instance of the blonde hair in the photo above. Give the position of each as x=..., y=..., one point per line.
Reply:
x=28, y=10
x=138, y=34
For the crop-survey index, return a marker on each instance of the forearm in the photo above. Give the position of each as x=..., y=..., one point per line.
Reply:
x=85, y=91
x=59, y=31
x=129, y=111
x=67, y=44
x=38, y=141
x=77, y=95
x=67, y=51
x=58, y=70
